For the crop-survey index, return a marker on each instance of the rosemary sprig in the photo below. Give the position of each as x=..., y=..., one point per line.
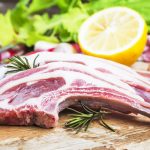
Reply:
x=20, y=64
x=82, y=120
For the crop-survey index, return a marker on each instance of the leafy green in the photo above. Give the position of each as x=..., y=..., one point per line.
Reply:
x=31, y=28
x=7, y=34
x=28, y=36
x=66, y=25
x=19, y=15
x=28, y=22
x=37, y=5
x=40, y=23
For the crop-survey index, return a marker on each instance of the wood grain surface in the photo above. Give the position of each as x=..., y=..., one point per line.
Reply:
x=132, y=133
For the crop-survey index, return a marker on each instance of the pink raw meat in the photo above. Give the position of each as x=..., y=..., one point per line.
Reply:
x=116, y=70
x=36, y=96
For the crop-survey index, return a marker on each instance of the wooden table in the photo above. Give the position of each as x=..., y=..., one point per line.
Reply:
x=132, y=133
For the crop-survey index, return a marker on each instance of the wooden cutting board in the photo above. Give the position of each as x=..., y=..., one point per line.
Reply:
x=132, y=133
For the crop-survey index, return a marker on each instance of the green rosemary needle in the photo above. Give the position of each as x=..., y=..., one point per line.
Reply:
x=20, y=64
x=82, y=120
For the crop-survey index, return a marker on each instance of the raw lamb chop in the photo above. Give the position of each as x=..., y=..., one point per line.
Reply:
x=36, y=96
x=123, y=73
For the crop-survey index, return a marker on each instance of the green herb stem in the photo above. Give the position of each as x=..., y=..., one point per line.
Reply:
x=82, y=120
x=20, y=64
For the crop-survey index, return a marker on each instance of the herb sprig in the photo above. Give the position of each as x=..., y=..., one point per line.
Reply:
x=82, y=120
x=20, y=64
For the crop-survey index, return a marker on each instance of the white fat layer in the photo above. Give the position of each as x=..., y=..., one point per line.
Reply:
x=3, y=70
x=109, y=78
x=41, y=75
x=30, y=102
x=100, y=75
x=121, y=71
x=69, y=78
x=38, y=101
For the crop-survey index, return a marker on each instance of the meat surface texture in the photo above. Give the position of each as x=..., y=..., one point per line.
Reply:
x=36, y=96
x=125, y=74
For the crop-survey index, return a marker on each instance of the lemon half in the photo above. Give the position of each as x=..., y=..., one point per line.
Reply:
x=116, y=33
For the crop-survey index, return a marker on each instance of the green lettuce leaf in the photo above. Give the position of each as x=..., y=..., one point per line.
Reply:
x=7, y=34
x=28, y=23
x=66, y=25
x=38, y=5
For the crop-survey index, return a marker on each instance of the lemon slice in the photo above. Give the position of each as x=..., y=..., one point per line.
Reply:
x=116, y=33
